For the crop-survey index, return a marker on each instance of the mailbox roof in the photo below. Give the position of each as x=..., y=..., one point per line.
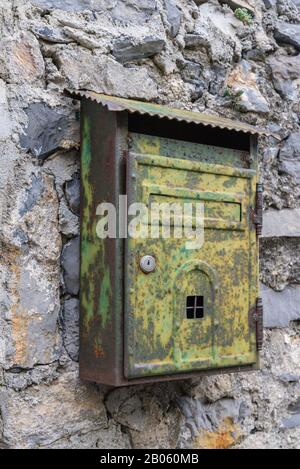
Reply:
x=116, y=104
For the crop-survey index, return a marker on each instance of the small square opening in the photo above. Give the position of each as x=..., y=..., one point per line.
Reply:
x=194, y=307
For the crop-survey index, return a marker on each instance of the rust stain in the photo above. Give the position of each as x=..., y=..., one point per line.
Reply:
x=228, y=435
x=24, y=59
x=98, y=350
x=19, y=319
x=20, y=335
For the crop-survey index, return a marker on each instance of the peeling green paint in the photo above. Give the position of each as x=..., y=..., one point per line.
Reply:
x=105, y=298
x=161, y=338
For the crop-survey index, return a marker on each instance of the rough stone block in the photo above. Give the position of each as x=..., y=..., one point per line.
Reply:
x=127, y=49
x=72, y=192
x=270, y=3
x=248, y=4
x=53, y=35
x=49, y=129
x=174, y=17
x=141, y=411
x=70, y=324
x=293, y=420
x=68, y=221
x=75, y=5
x=288, y=33
x=44, y=415
x=285, y=75
x=126, y=11
x=21, y=60
x=215, y=30
x=33, y=282
x=285, y=223
x=105, y=75
x=243, y=79
x=9, y=155
x=5, y=124
x=70, y=264
x=214, y=426
x=280, y=307
x=289, y=156
x=288, y=10
x=280, y=262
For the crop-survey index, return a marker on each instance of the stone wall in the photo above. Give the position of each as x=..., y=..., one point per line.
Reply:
x=200, y=55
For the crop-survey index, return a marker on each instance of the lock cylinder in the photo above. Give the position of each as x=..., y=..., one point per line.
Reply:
x=147, y=264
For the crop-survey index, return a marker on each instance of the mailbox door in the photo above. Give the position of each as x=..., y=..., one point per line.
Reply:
x=192, y=311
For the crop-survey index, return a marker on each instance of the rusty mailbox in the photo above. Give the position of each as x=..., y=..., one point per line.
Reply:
x=151, y=309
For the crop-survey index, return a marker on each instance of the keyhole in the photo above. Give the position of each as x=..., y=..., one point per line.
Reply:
x=147, y=264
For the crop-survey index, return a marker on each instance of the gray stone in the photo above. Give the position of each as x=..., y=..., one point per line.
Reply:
x=287, y=33
x=68, y=221
x=47, y=130
x=165, y=63
x=53, y=35
x=21, y=60
x=284, y=222
x=174, y=17
x=32, y=194
x=41, y=299
x=270, y=3
x=233, y=3
x=70, y=324
x=295, y=407
x=215, y=30
x=288, y=10
x=127, y=49
x=243, y=80
x=285, y=75
x=85, y=40
x=70, y=264
x=6, y=124
x=127, y=11
x=20, y=238
x=75, y=5
x=239, y=4
x=130, y=407
x=83, y=70
x=289, y=156
x=191, y=71
x=20, y=379
x=280, y=307
x=112, y=437
x=252, y=101
x=72, y=192
x=289, y=378
x=280, y=262
x=291, y=148
x=9, y=154
x=211, y=388
x=294, y=420
x=193, y=40
x=291, y=422
x=203, y=419
x=66, y=408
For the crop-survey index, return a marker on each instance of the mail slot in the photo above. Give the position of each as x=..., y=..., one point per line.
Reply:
x=153, y=308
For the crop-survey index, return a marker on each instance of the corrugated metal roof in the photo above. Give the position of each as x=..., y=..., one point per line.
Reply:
x=120, y=104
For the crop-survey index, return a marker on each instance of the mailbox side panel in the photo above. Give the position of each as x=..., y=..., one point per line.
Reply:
x=101, y=341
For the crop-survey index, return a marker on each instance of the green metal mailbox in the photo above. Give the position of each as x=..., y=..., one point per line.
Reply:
x=151, y=309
